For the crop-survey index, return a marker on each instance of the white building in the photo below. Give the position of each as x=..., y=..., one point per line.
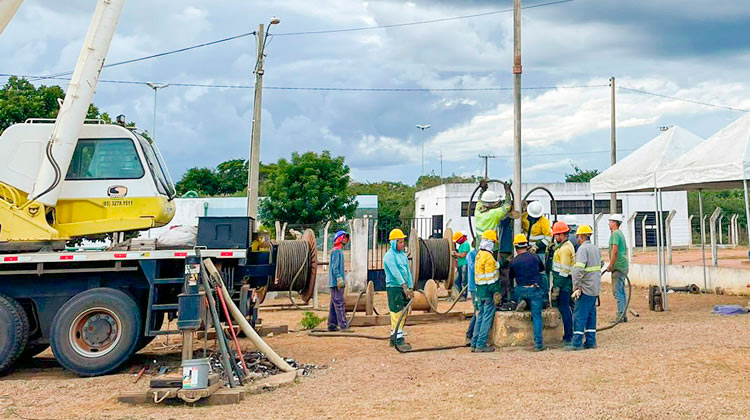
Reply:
x=447, y=205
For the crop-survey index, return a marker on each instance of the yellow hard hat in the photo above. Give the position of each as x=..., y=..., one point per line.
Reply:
x=489, y=235
x=396, y=234
x=520, y=240
x=584, y=230
x=457, y=236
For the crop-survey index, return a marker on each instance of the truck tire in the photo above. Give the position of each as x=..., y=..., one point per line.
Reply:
x=96, y=331
x=14, y=332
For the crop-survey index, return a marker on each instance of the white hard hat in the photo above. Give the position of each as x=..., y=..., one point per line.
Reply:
x=617, y=218
x=535, y=209
x=490, y=196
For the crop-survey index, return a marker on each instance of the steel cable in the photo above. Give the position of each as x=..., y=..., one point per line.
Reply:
x=434, y=259
x=292, y=260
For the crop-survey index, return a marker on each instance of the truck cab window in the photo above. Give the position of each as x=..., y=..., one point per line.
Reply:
x=105, y=159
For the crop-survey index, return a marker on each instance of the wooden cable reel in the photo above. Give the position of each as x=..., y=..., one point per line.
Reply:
x=366, y=303
x=306, y=279
x=438, y=265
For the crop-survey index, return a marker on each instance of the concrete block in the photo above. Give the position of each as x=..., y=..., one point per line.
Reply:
x=515, y=329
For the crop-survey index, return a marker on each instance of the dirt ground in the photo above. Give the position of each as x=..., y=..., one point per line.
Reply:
x=686, y=363
x=729, y=257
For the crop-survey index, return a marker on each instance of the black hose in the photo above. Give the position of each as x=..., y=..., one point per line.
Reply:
x=624, y=313
x=553, y=202
x=433, y=255
x=419, y=350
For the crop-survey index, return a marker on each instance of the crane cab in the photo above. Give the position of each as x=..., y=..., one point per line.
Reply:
x=116, y=181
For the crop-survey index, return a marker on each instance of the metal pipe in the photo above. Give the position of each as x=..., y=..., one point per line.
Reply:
x=663, y=248
x=662, y=285
x=703, y=238
x=517, y=72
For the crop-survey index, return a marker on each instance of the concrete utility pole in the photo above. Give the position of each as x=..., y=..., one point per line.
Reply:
x=254, y=159
x=613, y=146
x=155, y=87
x=517, y=71
x=423, y=127
x=486, y=166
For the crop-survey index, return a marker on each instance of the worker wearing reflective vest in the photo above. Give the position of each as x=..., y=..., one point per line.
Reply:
x=562, y=285
x=540, y=238
x=587, y=279
x=486, y=279
x=398, y=284
x=492, y=215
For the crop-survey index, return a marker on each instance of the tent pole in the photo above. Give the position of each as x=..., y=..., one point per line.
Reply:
x=658, y=239
x=747, y=211
x=593, y=218
x=703, y=238
x=663, y=248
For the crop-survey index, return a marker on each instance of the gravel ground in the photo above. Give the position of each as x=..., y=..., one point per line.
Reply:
x=685, y=363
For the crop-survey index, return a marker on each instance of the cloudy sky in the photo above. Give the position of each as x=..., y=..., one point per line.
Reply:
x=693, y=49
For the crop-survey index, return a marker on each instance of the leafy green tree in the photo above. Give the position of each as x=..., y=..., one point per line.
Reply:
x=311, y=188
x=232, y=176
x=395, y=201
x=428, y=181
x=20, y=100
x=204, y=181
x=581, y=175
x=730, y=201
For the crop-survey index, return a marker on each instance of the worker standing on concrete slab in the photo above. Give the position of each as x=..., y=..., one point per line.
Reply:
x=336, y=283
x=472, y=286
x=587, y=278
x=462, y=249
x=398, y=285
x=526, y=269
x=562, y=285
x=486, y=279
x=490, y=214
x=618, y=264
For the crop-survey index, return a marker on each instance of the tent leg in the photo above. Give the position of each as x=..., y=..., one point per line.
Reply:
x=747, y=212
x=658, y=240
x=663, y=249
x=593, y=218
x=703, y=238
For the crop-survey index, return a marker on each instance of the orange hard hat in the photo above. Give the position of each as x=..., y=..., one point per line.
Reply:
x=560, y=227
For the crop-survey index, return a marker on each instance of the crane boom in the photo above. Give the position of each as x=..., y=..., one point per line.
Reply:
x=8, y=8
x=70, y=118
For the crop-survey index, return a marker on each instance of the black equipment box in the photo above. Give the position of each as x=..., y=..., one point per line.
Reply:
x=225, y=232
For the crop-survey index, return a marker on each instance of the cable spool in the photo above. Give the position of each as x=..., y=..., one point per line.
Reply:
x=364, y=303
x=431, y=259
x=296, y=268
x=427, y=300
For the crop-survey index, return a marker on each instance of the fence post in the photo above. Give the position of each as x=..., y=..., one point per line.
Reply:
x=712, y=227
x=690, y=229
x=357, y=281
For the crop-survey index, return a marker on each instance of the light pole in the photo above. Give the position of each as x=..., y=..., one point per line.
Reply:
x=254, y=158
x=423, y=127
x=155, y=87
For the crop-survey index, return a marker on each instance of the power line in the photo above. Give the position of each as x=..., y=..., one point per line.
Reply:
x=313, y=88
x=681, y=99
x=421, y=22
x=162, y=54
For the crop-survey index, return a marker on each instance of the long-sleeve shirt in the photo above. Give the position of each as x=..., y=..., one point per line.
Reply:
x=562, y=264
x=587, y=274
x=525, y=269
x=396, y=267
x=486, y=274
x=336, y=267
x=541, y=231
x=489, y=219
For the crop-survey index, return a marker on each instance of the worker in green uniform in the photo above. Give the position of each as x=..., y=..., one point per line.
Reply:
x=489, y=215
x=398, y=285
x=462, y=250
x=618, y=264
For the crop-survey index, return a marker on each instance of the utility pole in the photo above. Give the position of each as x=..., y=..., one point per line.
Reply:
x=517, y=72
x=486, y=166
x=613, y=146
x=254, y=160
x=155, y=87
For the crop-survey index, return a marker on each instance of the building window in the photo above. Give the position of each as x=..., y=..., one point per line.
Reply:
x=465, y=208
x=584, y=206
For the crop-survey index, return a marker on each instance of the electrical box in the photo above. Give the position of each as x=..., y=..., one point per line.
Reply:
x=225, y=232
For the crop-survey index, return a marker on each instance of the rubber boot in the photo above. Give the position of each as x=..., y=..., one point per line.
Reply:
x=403, y=345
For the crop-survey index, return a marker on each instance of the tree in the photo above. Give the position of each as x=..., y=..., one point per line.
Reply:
x=428, y=181
x=204, y=181
x=730, y=201
x=395, y=201
x=232, y=176
x=20, y=100
x=581, y=175
x=312, y=188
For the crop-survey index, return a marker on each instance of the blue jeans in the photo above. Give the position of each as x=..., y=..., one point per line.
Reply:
x=535, y=297
x=584, y=321
x=473, y=322
x=484, y=319
x=462, y=279
x=618, y=291
x=563, y=305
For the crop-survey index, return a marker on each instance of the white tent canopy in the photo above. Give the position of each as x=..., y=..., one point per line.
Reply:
x=720, y=162
x=637, y=170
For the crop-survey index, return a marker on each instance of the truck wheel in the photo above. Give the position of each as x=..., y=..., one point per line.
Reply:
x=96, y=331
x=14, y=331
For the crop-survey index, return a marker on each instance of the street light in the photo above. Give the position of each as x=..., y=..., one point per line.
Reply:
x=155, y=87
x=254, y=158
x=423, y=127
